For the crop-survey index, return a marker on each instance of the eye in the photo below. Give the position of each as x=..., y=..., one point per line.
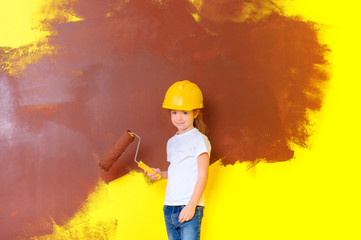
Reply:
x=173, y=112
x=185, y=113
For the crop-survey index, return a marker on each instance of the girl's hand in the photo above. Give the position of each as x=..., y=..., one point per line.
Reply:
x=153, y=176
x=186, y=214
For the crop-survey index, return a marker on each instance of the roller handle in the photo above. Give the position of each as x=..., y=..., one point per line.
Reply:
x=148, y=169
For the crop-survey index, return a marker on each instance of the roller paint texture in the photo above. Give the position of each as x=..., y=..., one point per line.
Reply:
x=118, y=148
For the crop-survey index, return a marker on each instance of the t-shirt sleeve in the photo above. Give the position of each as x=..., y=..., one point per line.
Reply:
x=202, y=145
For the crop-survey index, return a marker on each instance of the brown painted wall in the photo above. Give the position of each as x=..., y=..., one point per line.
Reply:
x=109, y=74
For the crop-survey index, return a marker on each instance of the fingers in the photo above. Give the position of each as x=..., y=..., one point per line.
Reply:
x=152, y=175
x=184, y=218
x=181, y=217
x=185, y=215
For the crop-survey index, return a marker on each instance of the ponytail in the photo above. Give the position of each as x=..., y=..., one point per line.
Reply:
x=199, y=124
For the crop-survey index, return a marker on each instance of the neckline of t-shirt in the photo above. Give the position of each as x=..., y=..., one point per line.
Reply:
x=186, y=133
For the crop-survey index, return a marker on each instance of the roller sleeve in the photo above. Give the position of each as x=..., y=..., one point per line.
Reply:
x=117, y=150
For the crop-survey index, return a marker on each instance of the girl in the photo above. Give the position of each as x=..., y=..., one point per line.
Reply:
x=188, y=152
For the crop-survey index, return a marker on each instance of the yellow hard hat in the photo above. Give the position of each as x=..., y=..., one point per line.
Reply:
x=183, y=95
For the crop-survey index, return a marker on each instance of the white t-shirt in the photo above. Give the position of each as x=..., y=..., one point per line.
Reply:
x=182, y=153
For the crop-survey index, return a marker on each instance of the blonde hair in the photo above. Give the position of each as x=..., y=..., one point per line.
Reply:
x=198, y=122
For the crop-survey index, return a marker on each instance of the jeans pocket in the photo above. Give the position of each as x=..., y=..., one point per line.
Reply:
x=199, y=212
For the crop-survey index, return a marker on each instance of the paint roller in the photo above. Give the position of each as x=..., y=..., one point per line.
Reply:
x=117, y=150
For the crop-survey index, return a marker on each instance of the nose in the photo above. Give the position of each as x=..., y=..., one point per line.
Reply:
x=179, y=117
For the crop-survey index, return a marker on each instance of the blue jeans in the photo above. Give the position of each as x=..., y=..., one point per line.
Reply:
x=189, y=230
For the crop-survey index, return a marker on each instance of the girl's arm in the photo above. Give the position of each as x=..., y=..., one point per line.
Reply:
x=164, y=174
x=188, y=211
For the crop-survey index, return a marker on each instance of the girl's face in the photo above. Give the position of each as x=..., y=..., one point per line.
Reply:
x=183, y=120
